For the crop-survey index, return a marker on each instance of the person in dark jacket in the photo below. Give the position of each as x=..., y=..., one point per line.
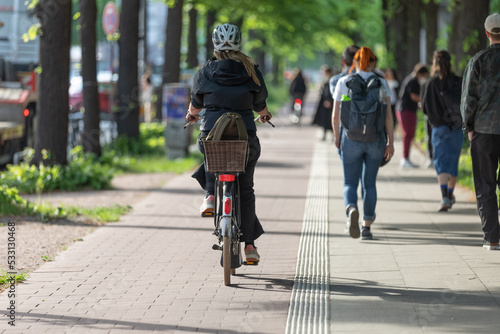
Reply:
x=297, y=89
x=480, y=109
x=231, y=82
x=406, y=109
x=441, y=93
x=323, y=115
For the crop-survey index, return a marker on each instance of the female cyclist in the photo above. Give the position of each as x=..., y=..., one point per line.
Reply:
x=231, y=82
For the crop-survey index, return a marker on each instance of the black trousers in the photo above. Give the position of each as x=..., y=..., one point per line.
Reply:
x=485, y=153
x=250, y=224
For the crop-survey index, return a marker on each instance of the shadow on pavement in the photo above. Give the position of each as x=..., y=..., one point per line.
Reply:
x=75, y=322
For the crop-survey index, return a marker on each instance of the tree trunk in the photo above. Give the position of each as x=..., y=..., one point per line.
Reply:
x=413, y=32
x=431, y=29
x=400, y=38
x=91, y=143
x=468, y=37
x=258, y=53
x=127, y=116
x=210, y=21
x=53, y=102
x=171, y=68
x=192, y=55
x=277, y=76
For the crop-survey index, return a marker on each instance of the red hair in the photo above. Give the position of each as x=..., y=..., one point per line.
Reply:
x=364, y=57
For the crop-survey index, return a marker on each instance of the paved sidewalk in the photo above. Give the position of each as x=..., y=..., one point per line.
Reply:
x=424, y=272
x=154, y=271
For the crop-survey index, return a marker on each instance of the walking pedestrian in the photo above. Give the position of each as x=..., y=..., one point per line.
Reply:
x=391, y=77
x=231, y=82
x=440, y=102
x=480, y=109
x=323, y=115
x=347, y=57
x=406, y=109
x=361, y=157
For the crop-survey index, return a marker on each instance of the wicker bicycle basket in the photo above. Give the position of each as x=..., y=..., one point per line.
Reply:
x=224, y=156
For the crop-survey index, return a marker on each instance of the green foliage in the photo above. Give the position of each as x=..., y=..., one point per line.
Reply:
x=278, y=96
x=420, y=131
x=10, y=201
x=465, y=176
x=294, y=28
x=151, y=140
x=147, y=153
x=159, y=163
x=6, y=278
x=33, y=32
x=11, y=204
x=83, y=169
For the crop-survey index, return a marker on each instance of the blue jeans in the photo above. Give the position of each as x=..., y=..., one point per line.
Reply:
x=361, y=161
x=447, y=145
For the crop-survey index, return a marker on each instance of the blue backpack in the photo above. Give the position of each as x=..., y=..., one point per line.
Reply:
x=362, y=115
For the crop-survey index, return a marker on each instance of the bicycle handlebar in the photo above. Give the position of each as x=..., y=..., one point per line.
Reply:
x=267, y=121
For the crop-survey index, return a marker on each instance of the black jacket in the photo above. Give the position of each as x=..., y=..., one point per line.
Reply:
x=433, y=103
x=222, y=86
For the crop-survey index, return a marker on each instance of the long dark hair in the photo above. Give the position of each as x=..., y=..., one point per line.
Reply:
x=441, y=64
x=247, y=61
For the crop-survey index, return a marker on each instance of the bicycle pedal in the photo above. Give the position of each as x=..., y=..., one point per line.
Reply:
x=207, y=214
x=216, y=247
x=250, y=263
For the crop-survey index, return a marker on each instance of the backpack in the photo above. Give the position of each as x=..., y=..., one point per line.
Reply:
x=230, y=126
x=362, y=115
x=451, y=95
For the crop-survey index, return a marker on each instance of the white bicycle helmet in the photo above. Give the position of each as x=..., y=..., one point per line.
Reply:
x=226, y=37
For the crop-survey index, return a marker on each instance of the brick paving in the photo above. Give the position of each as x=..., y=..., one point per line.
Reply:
x=155, y=270
x=425, y=272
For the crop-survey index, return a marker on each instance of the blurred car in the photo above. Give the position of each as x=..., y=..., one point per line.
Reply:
x=106, y=86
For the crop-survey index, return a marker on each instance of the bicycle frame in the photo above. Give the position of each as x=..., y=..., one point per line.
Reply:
x=227, y=220
x=227, y=215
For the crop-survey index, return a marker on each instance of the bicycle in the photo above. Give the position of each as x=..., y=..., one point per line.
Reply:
x=297, y=111
x=227, y=160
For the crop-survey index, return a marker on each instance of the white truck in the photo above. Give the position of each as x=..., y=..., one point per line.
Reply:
x=18, y=59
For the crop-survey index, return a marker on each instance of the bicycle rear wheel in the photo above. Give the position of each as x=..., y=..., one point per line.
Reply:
x=226, y=259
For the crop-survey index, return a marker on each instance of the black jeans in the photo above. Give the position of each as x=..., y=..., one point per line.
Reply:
x=485, y=153
x=250, y=224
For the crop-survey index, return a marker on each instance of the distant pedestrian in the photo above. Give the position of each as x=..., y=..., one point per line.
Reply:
x=406, y=109
x=323, y=115
x=392, y=79
x=441, y=103
x=361, y=155
x=480, y=109
x=347, y=57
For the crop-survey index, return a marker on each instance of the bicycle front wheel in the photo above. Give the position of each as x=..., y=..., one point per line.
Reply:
x=226, y=259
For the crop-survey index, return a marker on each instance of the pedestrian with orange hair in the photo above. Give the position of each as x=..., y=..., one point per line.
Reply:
x=363, y=131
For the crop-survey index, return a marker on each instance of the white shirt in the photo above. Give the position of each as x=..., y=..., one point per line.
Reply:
x=341, y=88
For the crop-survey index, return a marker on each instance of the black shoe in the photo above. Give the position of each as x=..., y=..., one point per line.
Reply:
x=366, y=234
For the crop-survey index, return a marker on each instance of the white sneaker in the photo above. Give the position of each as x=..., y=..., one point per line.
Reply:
x=406, y=163
x=207, y=208
x=352, y=225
